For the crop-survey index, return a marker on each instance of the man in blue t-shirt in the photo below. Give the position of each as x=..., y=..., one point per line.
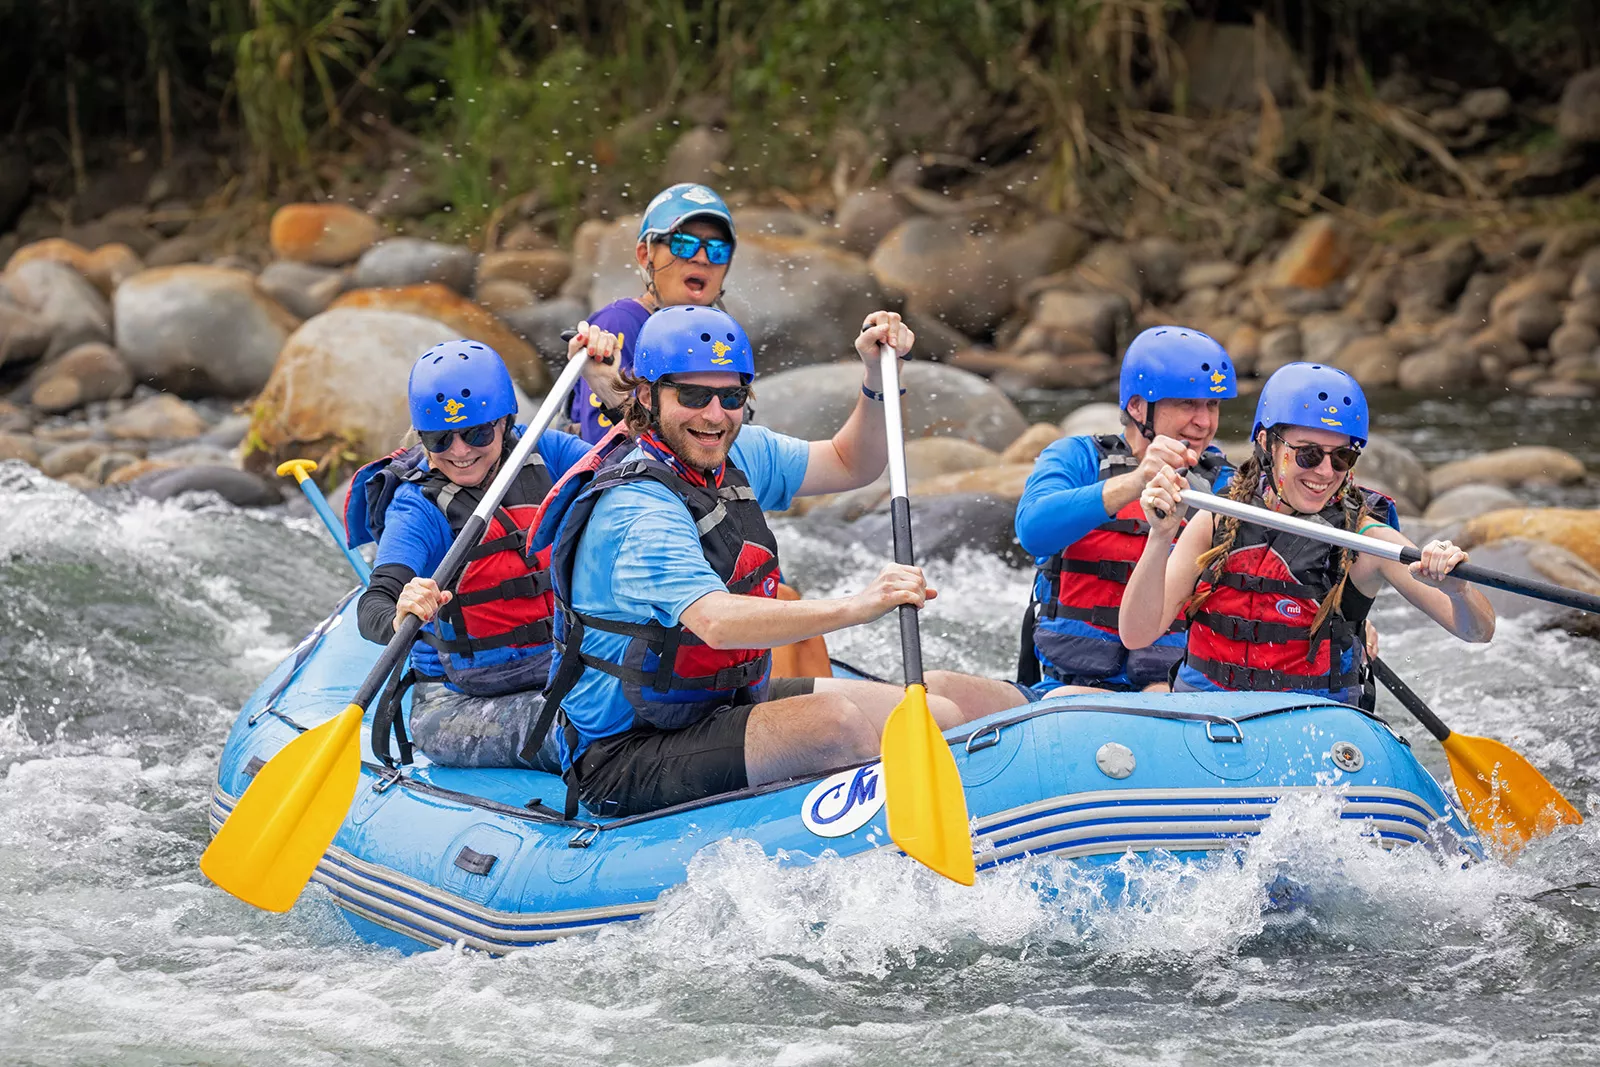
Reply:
x=686, y=242
x=1079, y=515
x=666, y=573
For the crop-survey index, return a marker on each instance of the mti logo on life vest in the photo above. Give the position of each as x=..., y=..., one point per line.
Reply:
x=452, y=407
x=843, y=803
x=1289, y=609
x=720, y=350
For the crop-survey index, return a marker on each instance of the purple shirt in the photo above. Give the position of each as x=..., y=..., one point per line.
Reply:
x=623, y=317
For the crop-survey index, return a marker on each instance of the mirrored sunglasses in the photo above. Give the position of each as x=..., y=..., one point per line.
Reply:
x=685, y=245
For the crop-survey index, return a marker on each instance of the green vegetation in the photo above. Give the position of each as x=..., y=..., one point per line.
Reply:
x=565, y=100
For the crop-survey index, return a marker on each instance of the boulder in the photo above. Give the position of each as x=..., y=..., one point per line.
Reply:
x=24, y=334
x=1316, y=256
x=1373, y=361
x=1468, y=502
x=162, y=417
x=72, y=458
x=947, y=272
x=1566, y=245
x=1578, y=120
x=467, y=319
x=53, y=249
x=13, y=419
x=1575, y=529
x=1586, y=279
x=1486, y=105
x=304, y=288
x=1034, y=440
x=541, y=270
x=1509, y=467
x=200, y=331
x=1498, y=340
x=1095, y=418
x=1243, y=343
x=1549, y=284
x=1211, y=274
x=239, y=488
x=1101, y=319
x=64, y=301
x=1538, y=560
x=1533, y=320
x=541, y=324
x=696, y=156
x=328, y=234
x=1561, y=389
x=338, y=392
x=800, y=302
x=813, y=402
x=80, y=376
x=1017, y=372
x=108, y=464
x=776, y=222
x=1323, y=336
x=1280, y=345
x=110, y=265
x=18, y=446
x=1443, y=367
x=1387, y=464
x=1574, y=339
x=1433, y=281
x=866, y=217
x=398, y=261
x=932, y=457
x=503, y=296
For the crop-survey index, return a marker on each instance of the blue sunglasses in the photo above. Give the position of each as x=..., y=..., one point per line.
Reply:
x=685, y=245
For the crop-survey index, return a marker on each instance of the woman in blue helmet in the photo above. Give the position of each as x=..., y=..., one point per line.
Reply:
x=1079, y=515
x=484, y=656
x=1275, y=611
x=686, y=242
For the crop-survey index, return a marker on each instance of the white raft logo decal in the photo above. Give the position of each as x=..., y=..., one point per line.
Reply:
x=843, y=803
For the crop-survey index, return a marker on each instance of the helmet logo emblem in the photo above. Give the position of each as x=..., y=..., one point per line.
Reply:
x=720, y=350
x=1326, y=421
x=452, y=409
x=699, y=194
x=1217, y=378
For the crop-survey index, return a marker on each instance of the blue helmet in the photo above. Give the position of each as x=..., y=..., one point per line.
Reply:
x=459, y=384
x=1315, y=396
x=1175, y=363
x=677, y=204
x=687, y=338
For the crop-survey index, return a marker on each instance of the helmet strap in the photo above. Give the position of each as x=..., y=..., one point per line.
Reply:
x=1148, y=426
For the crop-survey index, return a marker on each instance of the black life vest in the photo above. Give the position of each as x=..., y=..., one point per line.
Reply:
x=669, y=676
x=1254, y=630
x=1085, y=581
x=496, y=630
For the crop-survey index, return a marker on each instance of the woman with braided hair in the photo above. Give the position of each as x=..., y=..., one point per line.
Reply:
x=1276, y=611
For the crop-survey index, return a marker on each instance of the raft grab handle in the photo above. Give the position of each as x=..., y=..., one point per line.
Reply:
x=474, y=862
x=1238, y=734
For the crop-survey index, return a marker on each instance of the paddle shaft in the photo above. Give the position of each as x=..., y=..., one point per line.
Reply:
x=1467, y=572
x=1413, y=703
x=472, y=531
x=319, y=504
x=900, y=508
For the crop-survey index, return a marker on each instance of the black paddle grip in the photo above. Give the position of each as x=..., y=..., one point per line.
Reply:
x=1413, y=703
x=910, y=634
x=1530, y=587
x=400, y=644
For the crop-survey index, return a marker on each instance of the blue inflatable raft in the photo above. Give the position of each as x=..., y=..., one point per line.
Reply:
x=432, y=855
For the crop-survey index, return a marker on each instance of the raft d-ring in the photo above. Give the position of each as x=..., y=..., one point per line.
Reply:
x=1236, y=739
x=983, y=739
x=386, y=780
x=585, y=837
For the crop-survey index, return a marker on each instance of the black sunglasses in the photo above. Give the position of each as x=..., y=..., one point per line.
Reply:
x=731, y=397
x=1310, y=456
x=441, y=440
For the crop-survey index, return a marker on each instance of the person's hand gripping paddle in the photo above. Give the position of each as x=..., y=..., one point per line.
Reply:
x=271, y=843
x=926, y=802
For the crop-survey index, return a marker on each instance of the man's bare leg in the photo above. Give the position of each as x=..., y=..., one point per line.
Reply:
x=975, y=696
x=878, y=699
x=806, y=734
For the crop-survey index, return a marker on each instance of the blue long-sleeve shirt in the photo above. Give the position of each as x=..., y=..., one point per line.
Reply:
x=1062, y=499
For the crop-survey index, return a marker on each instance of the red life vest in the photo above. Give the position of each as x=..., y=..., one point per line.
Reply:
x=496, y=630
x=671, y=678
x=1254, y=630
x=1085, y=582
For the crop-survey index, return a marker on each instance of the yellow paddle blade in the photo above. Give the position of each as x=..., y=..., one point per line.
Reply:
x=1505, y=797
x=923, y=792
x=266, y=850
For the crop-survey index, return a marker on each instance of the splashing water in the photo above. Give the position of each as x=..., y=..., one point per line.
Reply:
x=133, y=631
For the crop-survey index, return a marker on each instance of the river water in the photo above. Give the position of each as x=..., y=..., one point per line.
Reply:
x=132, y=631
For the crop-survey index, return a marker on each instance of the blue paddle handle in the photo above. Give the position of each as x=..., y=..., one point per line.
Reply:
x=319, y=503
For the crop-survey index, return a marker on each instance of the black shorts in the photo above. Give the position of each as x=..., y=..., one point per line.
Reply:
x=645, y=768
